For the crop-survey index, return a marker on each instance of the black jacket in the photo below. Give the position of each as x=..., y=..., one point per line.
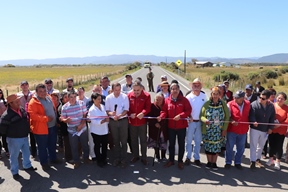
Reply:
x=13, y=125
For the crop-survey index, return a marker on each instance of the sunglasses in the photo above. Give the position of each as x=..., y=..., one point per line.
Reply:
x=263, y=99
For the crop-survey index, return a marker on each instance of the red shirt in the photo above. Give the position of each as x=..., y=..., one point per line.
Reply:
x=282, y=117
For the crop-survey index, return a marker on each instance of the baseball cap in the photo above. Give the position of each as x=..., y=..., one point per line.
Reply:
x=24, y=82
x=47, y=81
x=163, y=77
x=249, y=86
x=69, y=79
x=258, y=82
x=239, y=94
x=128, y=75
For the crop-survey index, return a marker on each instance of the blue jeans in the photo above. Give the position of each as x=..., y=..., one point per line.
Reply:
x=193, y=132
x=47, y=142
x=239, y=140
x=16, y=145
x=180, y=133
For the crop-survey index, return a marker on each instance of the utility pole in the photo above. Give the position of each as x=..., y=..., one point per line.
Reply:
x=185, y=61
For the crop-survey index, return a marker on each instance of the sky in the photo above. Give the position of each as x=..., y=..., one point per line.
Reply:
x=205, y=28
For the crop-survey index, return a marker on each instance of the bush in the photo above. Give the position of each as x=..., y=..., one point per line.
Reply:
x=269, y=74
x=253, y=75
x=225, y=76
x=281, y=81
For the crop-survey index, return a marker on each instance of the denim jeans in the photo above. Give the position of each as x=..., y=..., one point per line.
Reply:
x=16, y=145
x=238, y=140
x=47, y=142
x=193, y=132
x=180, y=133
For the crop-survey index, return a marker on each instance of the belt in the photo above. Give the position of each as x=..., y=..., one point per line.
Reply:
x=119, y=119
x=196, y=120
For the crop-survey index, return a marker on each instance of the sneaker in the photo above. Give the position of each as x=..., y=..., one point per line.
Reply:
x=277, y=166
x=259, y=164
x=214, y=166
x=252, y=165
x=270, y=162
x=239, y=166
x=227, y=166
x=187, y=161
x=16, y=176
x=209, y=165
x=197, y=162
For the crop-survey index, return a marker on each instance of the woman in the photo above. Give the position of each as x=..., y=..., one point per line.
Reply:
x=99, y=128
x=165, y=89
x=81, y=95
x=276, y=138
x=157, y=131
x=63, y=128
x=3, y=105
x=213, y=113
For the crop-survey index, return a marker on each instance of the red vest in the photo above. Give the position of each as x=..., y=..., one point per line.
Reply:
x=236, y=116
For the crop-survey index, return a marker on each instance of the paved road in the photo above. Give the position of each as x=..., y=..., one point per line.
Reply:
x=146, y=178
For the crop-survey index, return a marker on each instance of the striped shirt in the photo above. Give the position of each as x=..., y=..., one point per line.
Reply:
x=75, y=112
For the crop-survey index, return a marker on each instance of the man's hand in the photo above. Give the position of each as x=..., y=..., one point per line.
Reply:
x=207, y=122
x=116, y=118
x=157, y=125
x=140, y=115
x=269, y=131
x=234, y=123
x=255, y=124
x=224, y=133
x=133, y=115
x=190, y=119
x=159, y=119
x=176, y=118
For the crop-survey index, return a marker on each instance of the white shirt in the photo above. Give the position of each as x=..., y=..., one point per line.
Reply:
x=95, y=126
x=126, y=89
x=121, y=101
x=196, y=103
x=105, y=92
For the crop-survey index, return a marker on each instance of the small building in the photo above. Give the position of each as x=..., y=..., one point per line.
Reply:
x=203, y=64
x=225, y=64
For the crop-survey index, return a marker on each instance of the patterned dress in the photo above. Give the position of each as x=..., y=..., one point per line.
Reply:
x=217, y=113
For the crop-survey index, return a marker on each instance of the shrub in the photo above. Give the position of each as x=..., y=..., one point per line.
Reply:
x=281, y=81
x=225, y=76
x=253, y=75
x=269, y=74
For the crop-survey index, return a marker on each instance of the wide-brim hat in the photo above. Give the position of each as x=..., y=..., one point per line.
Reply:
x=12, y=98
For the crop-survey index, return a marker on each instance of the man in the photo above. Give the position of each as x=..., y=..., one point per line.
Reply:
x=81, y=95
x=49, y=86
x=177, y=108
x=139, y=106
x=127, y=87
x=150, y=77
x=249, y=95
x=258, y=88
x=236, y=133
x=43, y=125
x=197, y=100
x=262, y=111
x=229, y=94
x=105, y=82
x=163, y=78
x=73, y=113
x=69, y=85
x=15, y=126
x=25, y=96
x=117, y=106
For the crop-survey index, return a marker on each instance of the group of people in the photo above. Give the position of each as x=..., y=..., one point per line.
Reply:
x=118, y=115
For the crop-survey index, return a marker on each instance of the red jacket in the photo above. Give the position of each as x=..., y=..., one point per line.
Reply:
x=171, y=108
x=241, y=128
x=139, y=104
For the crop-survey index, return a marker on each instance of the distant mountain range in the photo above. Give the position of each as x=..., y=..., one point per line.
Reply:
x=125, y=58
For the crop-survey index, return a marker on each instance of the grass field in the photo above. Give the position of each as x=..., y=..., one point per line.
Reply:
x=10, y=78
x=206, y=75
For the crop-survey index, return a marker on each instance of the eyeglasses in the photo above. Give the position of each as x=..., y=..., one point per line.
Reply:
x=262, y=98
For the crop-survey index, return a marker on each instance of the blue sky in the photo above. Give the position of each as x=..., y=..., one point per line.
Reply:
x=72, y=28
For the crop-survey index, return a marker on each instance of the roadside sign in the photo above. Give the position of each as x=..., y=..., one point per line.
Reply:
x=178, y=62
